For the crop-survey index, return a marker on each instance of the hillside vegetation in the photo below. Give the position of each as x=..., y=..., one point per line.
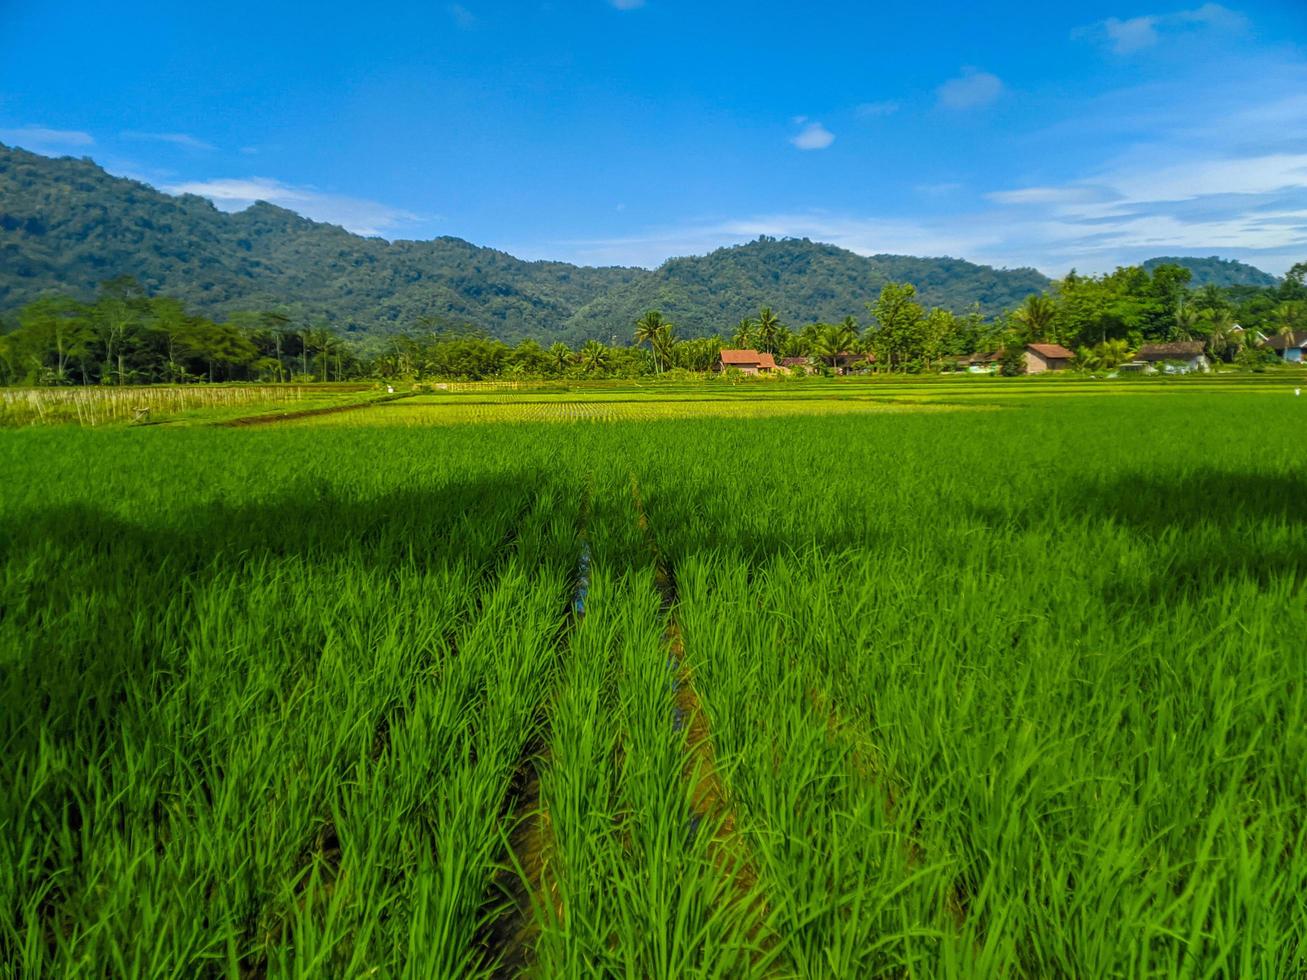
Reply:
x=66, y=225
x=1215, y=271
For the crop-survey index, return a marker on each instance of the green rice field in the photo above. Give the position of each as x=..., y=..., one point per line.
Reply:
x=921, y=680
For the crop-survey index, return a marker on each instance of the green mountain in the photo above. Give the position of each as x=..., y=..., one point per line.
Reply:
x=803, y=281
x=1216, y=271
x=66, y=225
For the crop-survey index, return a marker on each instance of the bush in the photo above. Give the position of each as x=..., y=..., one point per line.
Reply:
x=1256, y=358
x=1013, y=362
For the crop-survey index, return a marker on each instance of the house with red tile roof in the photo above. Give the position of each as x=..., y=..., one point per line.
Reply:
x=747, y=361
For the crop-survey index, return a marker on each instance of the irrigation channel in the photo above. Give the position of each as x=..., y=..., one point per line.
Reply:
x=709, y=809
x=527, y=889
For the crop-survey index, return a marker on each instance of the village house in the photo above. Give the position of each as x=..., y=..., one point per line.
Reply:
x=976, y=363
x=747, y=361
x=1293, y=349
x=1176, y=357
x=1047, y=357
x=847, y=362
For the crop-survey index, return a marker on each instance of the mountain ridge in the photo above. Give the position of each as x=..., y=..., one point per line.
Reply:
x=67, y=224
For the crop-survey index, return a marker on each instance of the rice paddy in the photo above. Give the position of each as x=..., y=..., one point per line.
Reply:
x=859, y=685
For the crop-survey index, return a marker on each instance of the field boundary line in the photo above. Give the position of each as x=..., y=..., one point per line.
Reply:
x=727, y=848
x=270, y=418
x=524, y=882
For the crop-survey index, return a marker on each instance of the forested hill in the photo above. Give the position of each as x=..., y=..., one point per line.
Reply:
x=803, y=281
x=1216, y=271
x=66, y=225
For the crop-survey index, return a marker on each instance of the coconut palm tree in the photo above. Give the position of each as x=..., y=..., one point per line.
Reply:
x=766, y=328
x=560, y=355
x=1187, y=321
x=594, y=357
x=1285, y=319
x=830, y=340
x=743, y=335
x=1036, y=316
x=1221, y=335
x=646, y=332
x=663, y=343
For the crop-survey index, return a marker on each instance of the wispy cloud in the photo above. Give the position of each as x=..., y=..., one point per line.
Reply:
x=627, y=4
x=176, y=139
x=813, y=135
x=1138, y=33
x=970, y=90
x=462, y=16
x=359, y=215
x=42, y=139
x=874, y=110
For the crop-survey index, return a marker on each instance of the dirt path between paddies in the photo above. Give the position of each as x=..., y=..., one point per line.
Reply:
x=305, y=413
x=709, y=802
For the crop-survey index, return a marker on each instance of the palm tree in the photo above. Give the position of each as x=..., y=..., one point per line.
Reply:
x=646, y=331
x=663, y=342
x=1221, y=334
x=1187, y=320
x=560, y=355
x=767, y=326
x=1285, y=319
x=743, y=335
x=594, y=357
x=1036, y=315
x=1113, y=353
x=830, y=340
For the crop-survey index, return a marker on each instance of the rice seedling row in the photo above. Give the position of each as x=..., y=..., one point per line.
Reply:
x=981, y=693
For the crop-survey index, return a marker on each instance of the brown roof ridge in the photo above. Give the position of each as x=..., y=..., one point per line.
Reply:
x=1051, y=350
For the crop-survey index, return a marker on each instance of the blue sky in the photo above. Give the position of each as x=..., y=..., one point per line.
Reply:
x=625, y=131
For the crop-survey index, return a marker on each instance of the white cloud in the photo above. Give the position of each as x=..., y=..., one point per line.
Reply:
x=1138, y=33
x=627, y=4
x=359, y=215
x=1131, y=35
x=1254, y=208
x=813, y=136
x=42, y=139
x=874, y=110
x=176, y=139
x=1045, y=195
x=462, y=16
x=971, y=90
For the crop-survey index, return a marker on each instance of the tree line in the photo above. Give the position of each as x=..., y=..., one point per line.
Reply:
x=125, y=336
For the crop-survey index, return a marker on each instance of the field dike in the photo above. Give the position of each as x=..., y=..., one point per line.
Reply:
x=524, y=885
x=273, y=417
x=708, y=796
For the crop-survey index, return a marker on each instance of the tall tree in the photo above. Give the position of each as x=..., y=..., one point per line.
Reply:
x=1036, y=316
x=898, y=338
x=743, y=334
x=766, y=328
x=646, y=332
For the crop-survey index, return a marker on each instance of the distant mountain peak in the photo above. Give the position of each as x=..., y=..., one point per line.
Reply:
x=66, y=224
x=1213, y=270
